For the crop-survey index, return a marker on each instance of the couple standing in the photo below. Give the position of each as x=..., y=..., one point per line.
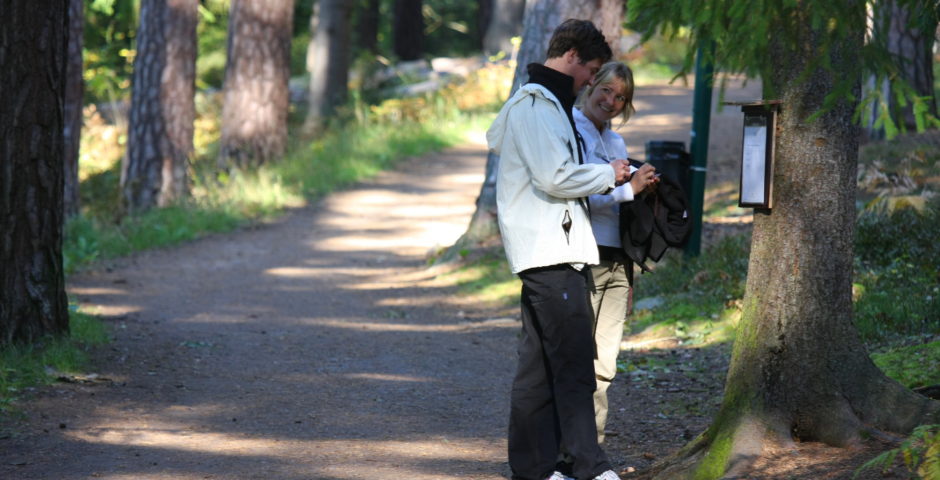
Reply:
x=562, y=176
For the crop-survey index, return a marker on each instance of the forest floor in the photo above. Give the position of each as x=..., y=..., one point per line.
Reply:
x=321, y=346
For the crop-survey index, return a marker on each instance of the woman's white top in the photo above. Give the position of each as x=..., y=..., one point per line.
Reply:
x=604, y=147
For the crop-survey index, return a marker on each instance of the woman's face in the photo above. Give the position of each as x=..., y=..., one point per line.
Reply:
x=606, y=101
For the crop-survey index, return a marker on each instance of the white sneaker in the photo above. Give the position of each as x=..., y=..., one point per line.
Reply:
x=559, y=476
x=608, y=475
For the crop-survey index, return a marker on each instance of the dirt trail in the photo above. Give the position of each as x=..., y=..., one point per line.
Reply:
x=314, y=348
x=321, y=347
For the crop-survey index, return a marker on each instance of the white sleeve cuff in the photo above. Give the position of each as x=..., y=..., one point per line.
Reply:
x=623, y=193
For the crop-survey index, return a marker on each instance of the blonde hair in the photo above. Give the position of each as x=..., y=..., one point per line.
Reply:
x=605, y=75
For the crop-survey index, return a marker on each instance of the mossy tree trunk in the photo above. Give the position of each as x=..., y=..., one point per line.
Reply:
x=799, y=371
x=33, y=46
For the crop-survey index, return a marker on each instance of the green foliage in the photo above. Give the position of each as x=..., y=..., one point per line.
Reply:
x=110, y=30
x=774, y=40
x=212, y=36
x=719, y=273
x=24, y=366
x=451, y=27
x=897, y=257
x=486, y=278
x=920, y=454
x=913, y=366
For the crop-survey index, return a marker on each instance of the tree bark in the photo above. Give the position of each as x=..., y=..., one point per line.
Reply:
x=799, y=371
x=541, y=18
x=74, y=90
x=33, y=52
x=257, y=70
x=408, y=30
x=367, y=26
x=328, y=59
x=160, y=131
x=504, y=23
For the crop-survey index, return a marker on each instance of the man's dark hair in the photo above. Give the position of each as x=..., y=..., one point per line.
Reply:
x=582, y=36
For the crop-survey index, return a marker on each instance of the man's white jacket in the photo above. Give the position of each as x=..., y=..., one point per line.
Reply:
x=540, y=187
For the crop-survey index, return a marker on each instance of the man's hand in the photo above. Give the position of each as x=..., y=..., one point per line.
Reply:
x=621, y=171
x=643, y=178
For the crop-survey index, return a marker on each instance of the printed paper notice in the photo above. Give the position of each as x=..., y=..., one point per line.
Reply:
x=754, y=160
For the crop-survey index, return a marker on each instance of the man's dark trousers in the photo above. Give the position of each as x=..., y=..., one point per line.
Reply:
x=552, y=407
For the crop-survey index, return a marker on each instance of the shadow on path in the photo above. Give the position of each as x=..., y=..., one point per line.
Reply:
x=318, y=347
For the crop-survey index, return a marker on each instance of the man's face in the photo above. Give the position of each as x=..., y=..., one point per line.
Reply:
x=583, y=73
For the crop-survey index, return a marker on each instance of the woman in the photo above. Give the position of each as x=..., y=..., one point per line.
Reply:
x=610, y=96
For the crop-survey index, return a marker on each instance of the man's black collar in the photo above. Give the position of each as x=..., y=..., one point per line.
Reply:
x=561, y=85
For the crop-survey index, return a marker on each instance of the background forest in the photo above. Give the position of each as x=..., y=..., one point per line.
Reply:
x=407, y=95
x=378, y=125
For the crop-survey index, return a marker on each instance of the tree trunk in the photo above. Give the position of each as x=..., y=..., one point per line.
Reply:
x=33, y=52
x=160, y=131
x=74, y=90
x=367, y=26
x=504, y=23
x=484, y=18
x=257, y=70
x=799, y=371
x=408, y=30
x=541, y=18
x=327, y=61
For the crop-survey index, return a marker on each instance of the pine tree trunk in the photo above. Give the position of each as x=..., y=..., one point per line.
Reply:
x=799, y=371
x=367, y=26
x=33, y=52
x=505, y=22
x=160, y=131
x=328, y=62
x=541, y=18
x=257, y=69
x=408, y=30
x=74, y=89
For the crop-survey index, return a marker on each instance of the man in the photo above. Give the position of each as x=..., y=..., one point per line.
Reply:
x=544, y=220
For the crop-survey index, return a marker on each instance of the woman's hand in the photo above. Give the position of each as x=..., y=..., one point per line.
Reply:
x=643, y=178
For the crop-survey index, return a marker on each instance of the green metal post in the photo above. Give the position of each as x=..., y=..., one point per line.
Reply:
x=698, y=147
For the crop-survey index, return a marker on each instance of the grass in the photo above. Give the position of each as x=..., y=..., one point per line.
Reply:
x=486, y=279
x=913, y=366
x=222, y=202
x=23, y=367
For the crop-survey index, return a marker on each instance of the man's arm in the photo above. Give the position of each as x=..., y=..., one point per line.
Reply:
x=541, y=135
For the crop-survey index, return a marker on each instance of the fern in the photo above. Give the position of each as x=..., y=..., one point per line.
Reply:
x=921, y=454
